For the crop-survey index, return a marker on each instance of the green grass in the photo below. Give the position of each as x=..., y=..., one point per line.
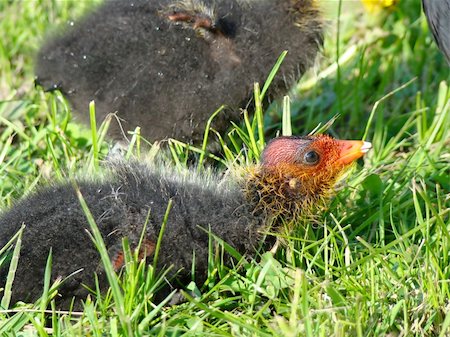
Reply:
x=376, y=263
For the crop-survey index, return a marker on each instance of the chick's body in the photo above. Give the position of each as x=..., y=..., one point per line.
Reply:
x=120, y=206
x=167, y=65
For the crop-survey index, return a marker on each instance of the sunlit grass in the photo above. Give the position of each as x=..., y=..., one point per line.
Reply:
x=376, y=263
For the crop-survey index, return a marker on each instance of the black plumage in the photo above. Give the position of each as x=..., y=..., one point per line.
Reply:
x=437, y=13
x=239, y=209
x=120, y=206
x=167, y=65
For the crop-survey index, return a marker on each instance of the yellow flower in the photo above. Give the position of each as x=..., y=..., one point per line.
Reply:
x=374, y=6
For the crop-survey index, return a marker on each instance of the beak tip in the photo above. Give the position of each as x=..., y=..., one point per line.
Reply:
x=366, y=147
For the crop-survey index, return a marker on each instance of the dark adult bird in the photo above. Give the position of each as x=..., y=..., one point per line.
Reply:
x=295, y=175
x=167, y=65
x=438, y=17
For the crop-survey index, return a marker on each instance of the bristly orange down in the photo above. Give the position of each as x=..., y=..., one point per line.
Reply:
x=297, y=174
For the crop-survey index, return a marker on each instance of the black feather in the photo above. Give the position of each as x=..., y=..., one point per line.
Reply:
x=168, y=74
x=120, y=205
x=437, y=13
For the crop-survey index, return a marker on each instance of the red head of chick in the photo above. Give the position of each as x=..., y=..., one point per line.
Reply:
x=295, y=173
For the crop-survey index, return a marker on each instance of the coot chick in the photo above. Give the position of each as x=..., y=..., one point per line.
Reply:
x=167, y=65
x=294, y=176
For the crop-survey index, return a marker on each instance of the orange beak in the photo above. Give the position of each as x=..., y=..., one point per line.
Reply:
x=350, y=150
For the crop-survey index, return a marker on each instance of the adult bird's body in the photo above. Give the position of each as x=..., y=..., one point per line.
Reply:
x=167, y=65
x=438, y=17
x=295, y=173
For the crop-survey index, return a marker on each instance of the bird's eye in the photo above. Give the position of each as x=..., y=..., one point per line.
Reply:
x=311, y=157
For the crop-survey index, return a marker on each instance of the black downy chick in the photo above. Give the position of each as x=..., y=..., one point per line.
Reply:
x=167, y=65
x=295, y=174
